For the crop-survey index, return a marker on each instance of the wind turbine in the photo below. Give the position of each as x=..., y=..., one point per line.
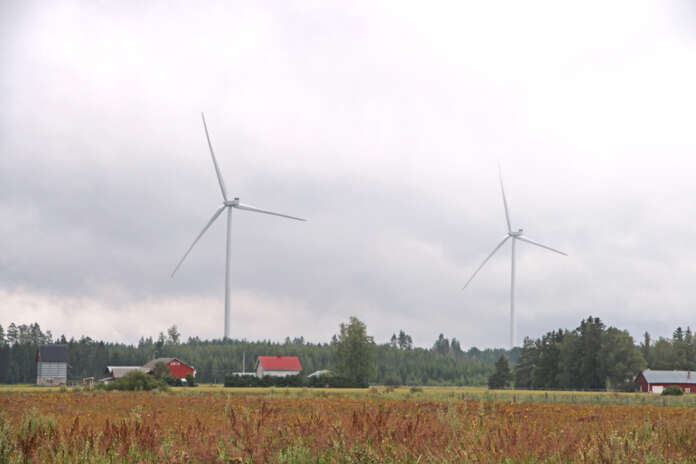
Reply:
x=228, y=205
x=514, y=235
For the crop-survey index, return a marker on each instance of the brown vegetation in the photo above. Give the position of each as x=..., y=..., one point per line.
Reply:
x=171, y=427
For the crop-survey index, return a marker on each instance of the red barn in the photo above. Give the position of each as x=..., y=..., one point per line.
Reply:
x=656, y=381
x=177, y=368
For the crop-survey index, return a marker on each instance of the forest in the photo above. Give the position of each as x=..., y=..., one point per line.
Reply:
x=596, y=357
x=396, y=362
x=591, y=356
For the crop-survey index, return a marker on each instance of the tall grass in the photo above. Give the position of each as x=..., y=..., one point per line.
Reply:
x=294, y=425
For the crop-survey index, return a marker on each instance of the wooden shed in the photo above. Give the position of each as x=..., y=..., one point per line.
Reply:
x=52, y=365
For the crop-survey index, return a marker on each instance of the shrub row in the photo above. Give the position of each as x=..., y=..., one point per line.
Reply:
x=133, y=381
x=329, y=381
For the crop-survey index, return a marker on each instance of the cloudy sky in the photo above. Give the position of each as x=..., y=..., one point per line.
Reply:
x=383, y=125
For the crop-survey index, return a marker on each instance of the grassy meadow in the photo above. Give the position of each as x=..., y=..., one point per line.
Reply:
x=210, y=423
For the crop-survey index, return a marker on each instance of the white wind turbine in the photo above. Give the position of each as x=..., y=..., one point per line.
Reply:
x=226, y=204
x=515, y=235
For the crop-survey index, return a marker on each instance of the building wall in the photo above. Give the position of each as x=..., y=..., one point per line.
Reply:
x=686, y=387
x=646, y=387
x=51, y=373
x=179, y=369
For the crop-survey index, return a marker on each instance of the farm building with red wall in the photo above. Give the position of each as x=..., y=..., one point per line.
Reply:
x=656, y=381
x=177, y=368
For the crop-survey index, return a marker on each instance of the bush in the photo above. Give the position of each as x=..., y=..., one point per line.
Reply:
x=673, y=390
x=267, y=381
x=190, y=381
x=160, y=370
x=136, y=380
x=330, y=380
x=326, y=380
x=171, y=380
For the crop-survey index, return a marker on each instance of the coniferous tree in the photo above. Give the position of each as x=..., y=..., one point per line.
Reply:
x=647, y=350
x=526, y=364
x=690, y=349
x=442, y=345
x=590, y=340
x=12, y=334
x=502, y=376
x=393, y=341
x=173, y=335
x=405, y=341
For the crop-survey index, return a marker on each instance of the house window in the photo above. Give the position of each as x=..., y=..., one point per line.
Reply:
x=657, y=388
x=687, y=390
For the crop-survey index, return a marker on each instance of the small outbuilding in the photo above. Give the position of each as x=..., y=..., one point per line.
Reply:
x=52, y=365
x=277, y=366
x=656, y=381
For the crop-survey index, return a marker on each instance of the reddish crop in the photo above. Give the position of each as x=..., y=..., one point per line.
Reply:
x=146, y=427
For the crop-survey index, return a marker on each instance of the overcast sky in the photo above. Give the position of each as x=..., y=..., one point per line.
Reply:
x=381, y=124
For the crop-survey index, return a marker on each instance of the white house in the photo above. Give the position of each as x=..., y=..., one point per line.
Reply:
x=277, y=366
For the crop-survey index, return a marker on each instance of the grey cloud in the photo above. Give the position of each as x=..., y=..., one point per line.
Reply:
x=381, y=124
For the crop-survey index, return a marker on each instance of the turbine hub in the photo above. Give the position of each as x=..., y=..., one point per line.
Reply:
x=234, y=202
x=516, y=233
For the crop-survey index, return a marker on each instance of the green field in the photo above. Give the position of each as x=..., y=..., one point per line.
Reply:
x=422, y=394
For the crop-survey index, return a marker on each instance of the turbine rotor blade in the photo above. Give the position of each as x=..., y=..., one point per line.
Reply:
x=486, y=260
x=212, y=154
x=528, y=240
x=212, y=219
x=505, y=205
x=258, y=210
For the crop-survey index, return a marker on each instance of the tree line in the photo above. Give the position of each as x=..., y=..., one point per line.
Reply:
x=591, y=356
x=595, y=357
x=396, y=362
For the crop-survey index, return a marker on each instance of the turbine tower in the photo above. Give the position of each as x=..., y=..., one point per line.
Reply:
x=227, y=204
x=514, y=235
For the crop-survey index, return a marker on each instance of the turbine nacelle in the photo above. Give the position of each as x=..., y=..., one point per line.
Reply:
x=234, y=202
x=516, y=233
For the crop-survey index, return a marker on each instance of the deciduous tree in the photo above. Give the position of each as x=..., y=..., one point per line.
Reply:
x=355, y=351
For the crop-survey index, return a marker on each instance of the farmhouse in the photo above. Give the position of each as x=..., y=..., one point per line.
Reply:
x=656, y=381
x=52, y=365
x=277, y=366
x=177, y=368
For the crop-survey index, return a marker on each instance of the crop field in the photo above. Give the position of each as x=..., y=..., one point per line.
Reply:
x=297, y=426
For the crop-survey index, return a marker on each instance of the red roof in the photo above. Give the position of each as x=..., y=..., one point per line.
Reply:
x=280, y=363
